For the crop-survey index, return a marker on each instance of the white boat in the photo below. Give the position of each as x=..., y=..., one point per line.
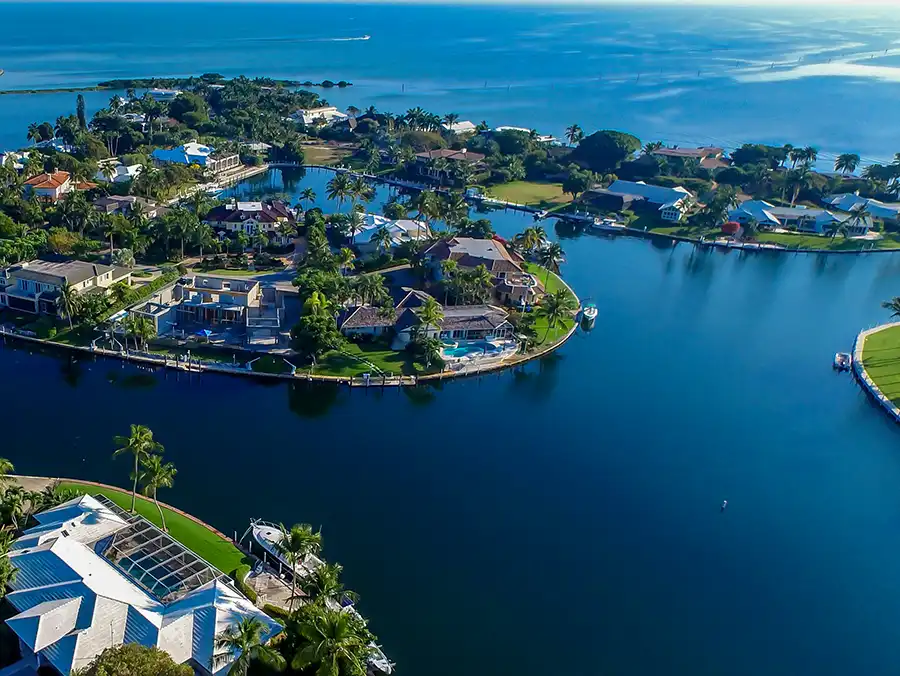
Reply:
x=842, y=361
x=589, y=314
x=269, y=536
x=608, y=224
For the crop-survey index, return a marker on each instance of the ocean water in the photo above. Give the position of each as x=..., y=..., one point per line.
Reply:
x=725, y=76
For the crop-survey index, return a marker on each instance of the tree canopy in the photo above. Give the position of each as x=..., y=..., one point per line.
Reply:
x=133, y=659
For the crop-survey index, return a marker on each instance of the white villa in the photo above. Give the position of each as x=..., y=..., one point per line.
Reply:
x=403, y=230
x=163, y=94
x=671, y=202
x=799, y=218
x=851, y=202
x=199, y=154
x=91, y=576
x=323, y=115
x=121, y=173
x=461, y=127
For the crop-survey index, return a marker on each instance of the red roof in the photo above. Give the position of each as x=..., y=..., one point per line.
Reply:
x=730, y=227
x=48, y=181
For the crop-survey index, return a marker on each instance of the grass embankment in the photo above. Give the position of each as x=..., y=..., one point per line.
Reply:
x=324, y=155
x=881, y=358
x=551, y=282
x=346, y=363
x=530, y=193
x=805, y=241
x=216, y=550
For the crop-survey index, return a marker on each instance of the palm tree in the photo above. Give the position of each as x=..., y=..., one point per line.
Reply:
x=34, y=133
x=382, y=239
x=120, y=291
x=68, y=301
x=651, y=147
x=244, y=643
x=339, y=188
x=141, y=445
x=846, y=163
x=324, y=585
x=298, y=543
x=893, y=305
x=450, y=119
x=332, y=642
x=308, y=196
x=798, y=180
x=556, y=307
x=156, y=474
x=141, y=329
x=345, y=258
x=449, y=268
x=859, y=217
x=479, y=282
x=810, y=155
x=430, y=314
x=574, y=134
x=551, y=257
x=532, y=238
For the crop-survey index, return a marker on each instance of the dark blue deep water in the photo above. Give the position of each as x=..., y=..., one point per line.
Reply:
x=563, y=518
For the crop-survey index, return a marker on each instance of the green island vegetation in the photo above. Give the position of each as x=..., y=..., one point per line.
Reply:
x=316, y=632
x=881, y=355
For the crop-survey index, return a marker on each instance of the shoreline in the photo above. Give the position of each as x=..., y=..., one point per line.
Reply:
x=864, y=379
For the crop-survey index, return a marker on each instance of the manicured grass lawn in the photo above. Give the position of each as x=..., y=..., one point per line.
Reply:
x=341, y=364
x=203, y=542
x=881, y=357
x=685, y=231
x=270, y=364
x=552, y=283
x=530, y=192
x=802, y=241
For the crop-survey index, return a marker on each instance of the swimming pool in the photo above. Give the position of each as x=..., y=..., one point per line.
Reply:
x=470, y=349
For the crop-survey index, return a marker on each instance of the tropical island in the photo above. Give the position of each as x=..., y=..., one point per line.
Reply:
x=99, y=580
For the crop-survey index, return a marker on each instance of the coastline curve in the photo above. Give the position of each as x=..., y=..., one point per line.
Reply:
x=863, y=377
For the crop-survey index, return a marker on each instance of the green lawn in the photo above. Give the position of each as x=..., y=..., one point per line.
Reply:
x=531, y=193
x=686, y=231
x=881, y=357
x=203, y=542
x=804, y=241
x=270, y=364
x=342, y=364
x=552, y=283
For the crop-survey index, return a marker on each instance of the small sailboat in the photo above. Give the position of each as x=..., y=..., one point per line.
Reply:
x=589, y=314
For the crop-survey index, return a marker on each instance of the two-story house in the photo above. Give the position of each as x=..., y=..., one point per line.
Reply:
x=49, y=187
x=272, y=218
x=34, y=286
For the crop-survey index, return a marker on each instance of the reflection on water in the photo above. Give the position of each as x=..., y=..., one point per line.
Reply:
x=71, y=372
x=314, y=400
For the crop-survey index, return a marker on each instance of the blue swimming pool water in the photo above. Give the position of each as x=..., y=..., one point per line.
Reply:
x=466, y=350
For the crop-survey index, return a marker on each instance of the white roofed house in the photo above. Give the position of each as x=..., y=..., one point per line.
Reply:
x=90, y=576
x=852, y=202
x=461, y=127
x=800, y=218
x=671, y=204
x=321, y=115
x=400, y=231
x=199, y=154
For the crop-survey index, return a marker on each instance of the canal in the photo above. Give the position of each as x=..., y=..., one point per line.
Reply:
x=562, y=518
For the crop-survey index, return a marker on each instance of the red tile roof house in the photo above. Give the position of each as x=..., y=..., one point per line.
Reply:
x=49, y=187
x=251, y=217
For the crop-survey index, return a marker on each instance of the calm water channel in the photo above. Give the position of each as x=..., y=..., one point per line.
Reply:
x=562, y=519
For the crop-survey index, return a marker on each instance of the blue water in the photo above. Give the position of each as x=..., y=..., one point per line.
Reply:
x=674, y=74
x=562, y=518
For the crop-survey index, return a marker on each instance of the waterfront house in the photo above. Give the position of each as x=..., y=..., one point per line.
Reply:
x=121, y=173
x=461, y=127
x=540, y=138
x=608, y=201
x=272, y=217
x=514, y=285
x=424, y=162
x=91, y=576
x=34, y=286
x=707, y=157
x=852, y=202
x=670, y=204
x=56, y=144
x=241, y=311
x=800, y=218
x=401, y=231
x=321, y=115
x=49, y=187
x=368, y=320
x=199, y=154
